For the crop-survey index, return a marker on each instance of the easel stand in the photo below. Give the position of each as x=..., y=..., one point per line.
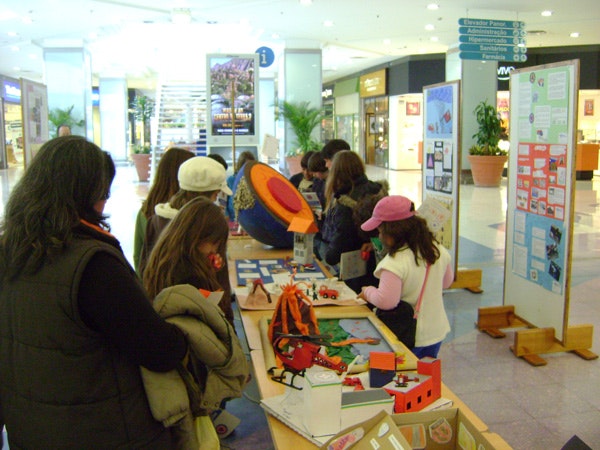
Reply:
x=532, y=342
x=469, y=279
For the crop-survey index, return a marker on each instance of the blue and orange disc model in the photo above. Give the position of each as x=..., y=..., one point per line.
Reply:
x=266, y=203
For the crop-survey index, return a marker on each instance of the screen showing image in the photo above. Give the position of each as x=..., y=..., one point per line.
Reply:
x=232, y=95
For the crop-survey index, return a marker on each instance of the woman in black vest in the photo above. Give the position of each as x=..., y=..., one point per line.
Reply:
x=75, y=323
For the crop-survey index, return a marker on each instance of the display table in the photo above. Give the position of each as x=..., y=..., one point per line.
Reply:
x=283, y=436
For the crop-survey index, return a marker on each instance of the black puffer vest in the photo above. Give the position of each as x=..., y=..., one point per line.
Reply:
x=61, y=385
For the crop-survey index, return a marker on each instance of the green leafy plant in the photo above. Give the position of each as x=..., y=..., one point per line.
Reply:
x=143, y=109
x=489, y=133
x=141, y=149
x=59, y=116
x=303, y=119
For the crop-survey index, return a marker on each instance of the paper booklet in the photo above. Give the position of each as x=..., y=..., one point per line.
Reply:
x=352, y=265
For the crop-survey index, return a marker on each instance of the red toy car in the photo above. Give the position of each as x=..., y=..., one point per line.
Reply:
x=325, y=292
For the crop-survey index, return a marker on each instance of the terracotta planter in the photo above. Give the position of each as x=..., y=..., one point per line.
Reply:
x=487, y=170
x=293, y=164
x=141, y=161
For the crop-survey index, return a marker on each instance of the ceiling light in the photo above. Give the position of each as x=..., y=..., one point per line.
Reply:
x=387, y=41
x=181, y=16
x=306, y=2
x=429, y=27
x=434, y=38
x=328, y=23
x=27, y=20
x=14, y=48
x=575, y=34
x=275, y=36
x=433, y=6
x=546, y=13
x=12, y=33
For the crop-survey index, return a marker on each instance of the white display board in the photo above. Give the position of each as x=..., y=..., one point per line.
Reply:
x=441, y=157
x=541, y=177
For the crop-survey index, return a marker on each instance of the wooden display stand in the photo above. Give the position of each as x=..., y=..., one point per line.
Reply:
x=469, y=279
x=532, y=342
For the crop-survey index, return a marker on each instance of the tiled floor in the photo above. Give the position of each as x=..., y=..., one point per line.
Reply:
x=530, y=407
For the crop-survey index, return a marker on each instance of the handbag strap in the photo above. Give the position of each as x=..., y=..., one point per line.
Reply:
x=418, y=305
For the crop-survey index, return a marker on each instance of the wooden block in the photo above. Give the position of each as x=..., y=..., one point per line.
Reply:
x=494, y=332
x=578, y=337
x=534, y=360
x=495, y=317
x=468, y=279
x=585, y=354
x=537, y=340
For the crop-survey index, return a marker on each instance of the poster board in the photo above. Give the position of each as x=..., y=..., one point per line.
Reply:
x=233, y=92
x=441, y=158
x=34, y=114
x=541, y=193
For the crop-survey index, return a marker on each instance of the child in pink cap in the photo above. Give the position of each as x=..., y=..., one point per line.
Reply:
x=412, y=253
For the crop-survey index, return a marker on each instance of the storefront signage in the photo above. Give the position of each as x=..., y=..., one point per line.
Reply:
x=504, y=72
x=327, y=93
x=373, y=84
x=494, y=40
x=11, y=91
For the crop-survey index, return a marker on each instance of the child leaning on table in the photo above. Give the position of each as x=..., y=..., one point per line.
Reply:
x=410, y=247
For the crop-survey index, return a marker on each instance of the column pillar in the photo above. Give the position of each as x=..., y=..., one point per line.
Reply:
x=68, y=79
x=300, y=80
x=479, y=81
x=113, y=116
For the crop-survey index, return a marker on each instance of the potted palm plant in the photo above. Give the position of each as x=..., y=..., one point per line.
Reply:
x=143, y=109
x=58, y=117
x=303, y=119
x=486, y=158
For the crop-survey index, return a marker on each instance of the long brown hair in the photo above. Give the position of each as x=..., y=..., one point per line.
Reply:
x=176, y=256
x=61, y=185
x=414, y=234
x=165, y=183
x=346, y=167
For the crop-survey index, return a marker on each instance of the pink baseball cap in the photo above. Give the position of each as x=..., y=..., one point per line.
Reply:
x=389, y=209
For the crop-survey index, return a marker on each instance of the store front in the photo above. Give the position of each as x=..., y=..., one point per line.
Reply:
x=373, y=92
x=328, y=122
x=347, y=117
x=11, y=132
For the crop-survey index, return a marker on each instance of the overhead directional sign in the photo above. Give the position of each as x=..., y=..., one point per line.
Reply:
x=494, y=40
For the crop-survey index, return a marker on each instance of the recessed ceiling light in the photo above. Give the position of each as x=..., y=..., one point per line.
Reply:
x=429, y=27
x=14, y=48
x=306, y=2
x=546, y=13
x=275, y=36
x=433, y=6
x=434, y=39
x=12, y=33
x=328, y=23
x=387, y=41
x=27, y=20
x=575, y=34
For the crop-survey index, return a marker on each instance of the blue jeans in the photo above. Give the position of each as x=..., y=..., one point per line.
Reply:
x=430, y=350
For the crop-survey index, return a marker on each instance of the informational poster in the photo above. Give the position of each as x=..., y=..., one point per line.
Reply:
x=34, y=112
x=539, y=223
x=542, y=176
x=441, y=159
x=232, y=93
